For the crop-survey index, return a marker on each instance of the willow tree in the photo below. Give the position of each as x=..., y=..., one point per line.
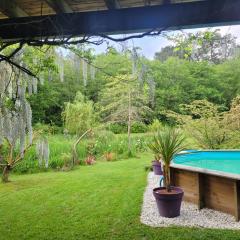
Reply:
x=122, y=101
x=78, y=119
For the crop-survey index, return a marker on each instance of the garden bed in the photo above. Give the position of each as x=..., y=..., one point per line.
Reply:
x=190, y=215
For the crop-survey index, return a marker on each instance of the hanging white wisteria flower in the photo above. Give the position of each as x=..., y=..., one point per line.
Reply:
x=134, y=61
x=5, y=79
x=60, y=62
x=76, y=65
x=35, y=83
x=84, y=71
x=151, y=85
x=92, y=72
x=194, y=50
x=30, y=84
x=61, y=70
x=50, y=75
x=42, y=152
x=15, y=114
x=1, y=129
x=41, y=78
x=16, y=121
x=141, y=75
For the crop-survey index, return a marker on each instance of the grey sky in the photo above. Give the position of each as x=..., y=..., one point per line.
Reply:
x=150, y=45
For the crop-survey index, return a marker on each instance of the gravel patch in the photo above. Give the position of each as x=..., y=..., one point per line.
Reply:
x=190, y=215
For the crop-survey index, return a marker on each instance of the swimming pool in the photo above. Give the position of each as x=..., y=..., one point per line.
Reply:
x=209, y=179
x=223, y=161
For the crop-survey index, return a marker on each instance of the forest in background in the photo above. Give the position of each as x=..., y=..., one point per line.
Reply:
x=205, y=65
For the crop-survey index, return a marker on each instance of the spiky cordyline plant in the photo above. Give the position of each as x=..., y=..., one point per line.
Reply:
x=167, y=143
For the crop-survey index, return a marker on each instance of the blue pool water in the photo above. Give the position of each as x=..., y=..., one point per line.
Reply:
x=224, y=161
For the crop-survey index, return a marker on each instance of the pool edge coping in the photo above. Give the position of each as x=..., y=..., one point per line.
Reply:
x=206, y=171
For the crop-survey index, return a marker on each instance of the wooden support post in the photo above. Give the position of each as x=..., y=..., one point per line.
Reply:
x=237, y=199
x=200, y=191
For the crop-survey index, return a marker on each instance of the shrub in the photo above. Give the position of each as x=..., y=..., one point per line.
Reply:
x=155, y=126
x=48, y=129
x=139, y=127
x=56, y=163
x=118, y=128
x=66, y=158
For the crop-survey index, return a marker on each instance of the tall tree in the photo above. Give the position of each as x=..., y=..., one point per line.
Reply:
x=208, y=45
x=123, y=102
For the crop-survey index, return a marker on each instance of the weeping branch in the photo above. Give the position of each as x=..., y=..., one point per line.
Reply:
x=96, y=39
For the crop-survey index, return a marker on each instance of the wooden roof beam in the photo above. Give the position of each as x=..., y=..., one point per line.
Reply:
x=112, y=4
x=166, y=1
x=125, y=20
x=11, y=9
x=59, y=6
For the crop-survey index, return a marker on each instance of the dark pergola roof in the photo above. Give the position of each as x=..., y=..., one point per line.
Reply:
x=24, y=19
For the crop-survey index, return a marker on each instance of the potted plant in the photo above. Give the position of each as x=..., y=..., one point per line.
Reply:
x=167, y=143
x=156, y=163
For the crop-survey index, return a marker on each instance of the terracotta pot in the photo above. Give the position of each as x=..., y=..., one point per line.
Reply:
x=168, y=203
x=157, y=167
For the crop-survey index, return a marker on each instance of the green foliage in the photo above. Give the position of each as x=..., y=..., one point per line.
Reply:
x=119, y=92
x=136, y=127
x=204, y=45
x=155, y=126
x=210, y=133
x=209, y=127
x=178, y=81
x=117, y=128
x=47, y=129
x=139, y=127
x=67, y=161
x=167, y=143
x=79, y=115
x=98, y=144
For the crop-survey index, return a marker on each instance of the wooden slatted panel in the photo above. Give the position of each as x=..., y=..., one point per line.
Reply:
x=188, y=181
x=132, y=3
x=139, y=3
x=83, y=6
x=35, y=7
x=219, y=193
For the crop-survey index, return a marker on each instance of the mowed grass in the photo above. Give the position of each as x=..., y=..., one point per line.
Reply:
x=91, y=202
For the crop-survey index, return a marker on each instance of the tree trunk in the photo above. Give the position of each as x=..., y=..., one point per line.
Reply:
x=129, y=123
x=5, y=174
x=167, y=178
x=74, y=149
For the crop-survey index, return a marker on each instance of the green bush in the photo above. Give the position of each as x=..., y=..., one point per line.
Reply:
x=155, y=126
x=118, y=128
x=139, y=127
x=48, y=129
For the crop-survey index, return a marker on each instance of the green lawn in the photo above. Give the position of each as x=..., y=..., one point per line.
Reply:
x=90, y=202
